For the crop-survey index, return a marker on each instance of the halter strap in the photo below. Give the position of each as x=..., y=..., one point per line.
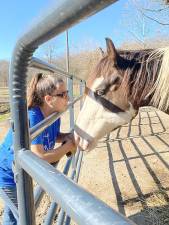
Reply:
x=103, y=101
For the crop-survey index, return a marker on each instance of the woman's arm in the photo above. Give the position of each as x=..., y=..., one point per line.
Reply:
x=61, y=137
x=55, y=154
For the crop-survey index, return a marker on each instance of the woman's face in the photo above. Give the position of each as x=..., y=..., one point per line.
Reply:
x=60, y=98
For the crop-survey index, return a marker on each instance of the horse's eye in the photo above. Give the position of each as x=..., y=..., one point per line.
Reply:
x=100, y=92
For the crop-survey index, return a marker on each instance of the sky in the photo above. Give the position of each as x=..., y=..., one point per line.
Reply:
x=17, y=16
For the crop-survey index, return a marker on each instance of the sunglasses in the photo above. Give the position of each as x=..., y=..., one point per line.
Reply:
x=64, y=94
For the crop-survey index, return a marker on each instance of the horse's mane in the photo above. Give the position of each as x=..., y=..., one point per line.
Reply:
x=160, y=97
x=146, y=73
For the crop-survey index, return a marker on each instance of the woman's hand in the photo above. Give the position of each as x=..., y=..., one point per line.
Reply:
x=69, y=136
x=71, y=146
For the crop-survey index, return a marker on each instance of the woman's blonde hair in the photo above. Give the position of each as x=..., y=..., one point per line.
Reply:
x=39, y=86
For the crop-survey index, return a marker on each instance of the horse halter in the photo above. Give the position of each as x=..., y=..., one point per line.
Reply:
x=103, y=101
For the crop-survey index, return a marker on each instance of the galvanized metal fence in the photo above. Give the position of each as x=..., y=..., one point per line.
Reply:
x=78, y=204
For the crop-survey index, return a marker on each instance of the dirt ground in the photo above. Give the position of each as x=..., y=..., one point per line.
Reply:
x=128, y=170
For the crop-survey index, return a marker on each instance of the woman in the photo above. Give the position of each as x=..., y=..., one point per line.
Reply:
x=46, y=95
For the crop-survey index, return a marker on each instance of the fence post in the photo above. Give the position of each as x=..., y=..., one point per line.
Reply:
x=69, y=82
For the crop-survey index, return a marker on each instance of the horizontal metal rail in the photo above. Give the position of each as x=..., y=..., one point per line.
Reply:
x=39, y=192
x=83, y=207
x=40, y=64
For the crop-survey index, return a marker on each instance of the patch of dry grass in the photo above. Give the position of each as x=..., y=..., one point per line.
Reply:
x=157, y=209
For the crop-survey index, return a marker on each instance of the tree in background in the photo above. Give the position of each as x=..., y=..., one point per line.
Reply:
x=4, y=73
x=157, y=11
x=145, y=20
x=166, y=1
x=83, y=57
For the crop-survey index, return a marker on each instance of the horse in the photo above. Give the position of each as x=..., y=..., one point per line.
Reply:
x=122, y=81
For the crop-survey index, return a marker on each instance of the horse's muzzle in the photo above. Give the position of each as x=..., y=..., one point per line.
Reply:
x=80, y=142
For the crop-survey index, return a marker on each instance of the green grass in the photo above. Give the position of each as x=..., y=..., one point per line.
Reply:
x=4, y=117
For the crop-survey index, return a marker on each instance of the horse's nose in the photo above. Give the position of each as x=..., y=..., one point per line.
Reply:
x=80, y=142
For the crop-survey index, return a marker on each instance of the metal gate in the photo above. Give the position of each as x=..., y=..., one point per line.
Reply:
x=79, y=204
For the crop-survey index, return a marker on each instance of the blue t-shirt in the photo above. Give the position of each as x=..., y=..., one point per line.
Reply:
x=47, y=138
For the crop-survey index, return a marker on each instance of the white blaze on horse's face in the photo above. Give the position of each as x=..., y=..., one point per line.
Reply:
x=94, y=120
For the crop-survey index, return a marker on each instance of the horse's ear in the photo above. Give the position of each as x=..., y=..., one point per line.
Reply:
x=101, y=52
x=111, y=50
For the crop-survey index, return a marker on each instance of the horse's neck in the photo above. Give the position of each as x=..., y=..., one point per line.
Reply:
x=137, y=103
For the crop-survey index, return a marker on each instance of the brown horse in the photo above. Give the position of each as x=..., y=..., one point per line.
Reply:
x=122, y=82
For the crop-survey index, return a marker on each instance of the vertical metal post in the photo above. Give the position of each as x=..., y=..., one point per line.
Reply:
x=67, y=221
x=38, y=195
x=61, y=217
x=82, y=86
x=51, y=214
x=67, y=51
x=69, y=82
x=18, y=70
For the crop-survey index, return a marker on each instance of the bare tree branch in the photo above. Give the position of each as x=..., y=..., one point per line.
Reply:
x=155, y=20
x=137, y=38
x=142, y=9
x=156, y=10
x=149, y=17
